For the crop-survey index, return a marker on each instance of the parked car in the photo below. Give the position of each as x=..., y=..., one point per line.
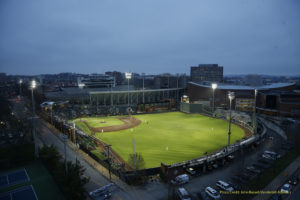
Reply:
x=266, y=161
x=212, y=193
x=261, y=165
x=267, y=156
x=286, y=188
x=273, y=154
x=236, y=187
x=294, y=180
x=276, y=197
x=215, y=165
x=181, y=179
x=230, y=157
x=102, y=193
x=224, y=186
x=182, y=194
x=253, y=169
x=191, y=171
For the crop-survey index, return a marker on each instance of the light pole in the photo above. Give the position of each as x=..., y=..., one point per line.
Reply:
x=36, y=153
x=254, y=112
x=177, y=92
x=20, y=82
x=214, y=86
x=231, y=97
x=128, y=77
x=143, y=88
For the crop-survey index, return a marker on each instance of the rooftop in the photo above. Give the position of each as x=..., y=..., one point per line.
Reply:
x=245, y=87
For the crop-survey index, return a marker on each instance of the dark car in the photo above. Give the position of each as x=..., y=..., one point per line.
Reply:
x=236, y=187
x=293, y=180
x=276, y=197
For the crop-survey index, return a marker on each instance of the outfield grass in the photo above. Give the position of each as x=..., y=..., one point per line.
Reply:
x=171, y=137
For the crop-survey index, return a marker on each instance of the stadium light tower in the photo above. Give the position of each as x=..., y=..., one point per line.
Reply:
x=254, y=112
x=128, y=77
x=231, y=97
x=36, y=153
x=20, y=82
x=143, y=87
x=214, y=87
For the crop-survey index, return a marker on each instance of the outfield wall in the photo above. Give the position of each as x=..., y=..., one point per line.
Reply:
x=194, y=108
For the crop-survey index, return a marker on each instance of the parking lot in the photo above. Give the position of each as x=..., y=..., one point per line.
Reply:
x=246, y=165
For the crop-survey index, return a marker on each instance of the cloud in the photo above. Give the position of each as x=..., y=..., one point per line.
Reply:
x=149, y=36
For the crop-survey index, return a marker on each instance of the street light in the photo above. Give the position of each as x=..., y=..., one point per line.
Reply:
x=36, y=153
x=254, y=112
x=214, y=86
x=128, y=77
x=231, y=97
x=20, y=82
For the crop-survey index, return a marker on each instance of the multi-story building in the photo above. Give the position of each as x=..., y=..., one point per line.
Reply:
x=207, y=72
x=119, y=77
x=97, y=81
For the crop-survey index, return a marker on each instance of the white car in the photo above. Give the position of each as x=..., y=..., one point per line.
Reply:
x=273, y=154
x=212, y=193
x=224, y=186
x=181, y=179
x=287, y=188
x=267, y=156
x=183, y=194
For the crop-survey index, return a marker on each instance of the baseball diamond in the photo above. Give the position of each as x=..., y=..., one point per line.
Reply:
x=165, y=137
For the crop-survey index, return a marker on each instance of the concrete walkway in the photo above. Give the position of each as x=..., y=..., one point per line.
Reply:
x=279, y=180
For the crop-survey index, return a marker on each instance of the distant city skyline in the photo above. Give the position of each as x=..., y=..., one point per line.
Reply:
x=152, y=37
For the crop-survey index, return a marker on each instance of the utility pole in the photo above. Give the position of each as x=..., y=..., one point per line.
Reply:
x=143, y=88
x=231, y=97
x=36, y=153
x=254, y=122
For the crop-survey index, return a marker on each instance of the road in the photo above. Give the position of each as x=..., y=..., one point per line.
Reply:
x=152, y=191
x=47, y=135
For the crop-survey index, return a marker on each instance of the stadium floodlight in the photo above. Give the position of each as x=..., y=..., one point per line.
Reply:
x=81, y=85
x=33, y=86
x=143, y=87
x=128, y=76
x=214, y=86
x=231, y=97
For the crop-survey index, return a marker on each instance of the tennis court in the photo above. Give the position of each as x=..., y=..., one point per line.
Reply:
x=13, y=178
x=26, y=192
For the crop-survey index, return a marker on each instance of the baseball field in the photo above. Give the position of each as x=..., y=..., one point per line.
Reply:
x=166, y=137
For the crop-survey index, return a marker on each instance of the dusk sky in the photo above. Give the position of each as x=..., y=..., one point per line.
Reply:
x=153, y=36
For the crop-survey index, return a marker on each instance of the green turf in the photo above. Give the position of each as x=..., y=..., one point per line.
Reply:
x=172, y=137
x=98, y=153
